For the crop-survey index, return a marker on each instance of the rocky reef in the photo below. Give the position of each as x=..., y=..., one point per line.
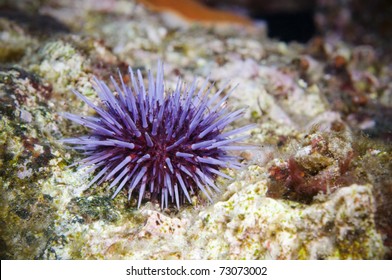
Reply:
x=318, y=186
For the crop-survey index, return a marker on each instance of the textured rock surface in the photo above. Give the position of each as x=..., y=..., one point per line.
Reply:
x=307, y=102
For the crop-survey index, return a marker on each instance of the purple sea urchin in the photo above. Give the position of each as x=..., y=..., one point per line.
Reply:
x=168, y=144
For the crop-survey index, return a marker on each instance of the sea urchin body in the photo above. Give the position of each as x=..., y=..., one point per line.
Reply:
x=167, y=145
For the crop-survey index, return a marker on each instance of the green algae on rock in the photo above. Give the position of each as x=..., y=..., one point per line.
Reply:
x=26, y=159
x=244, y=225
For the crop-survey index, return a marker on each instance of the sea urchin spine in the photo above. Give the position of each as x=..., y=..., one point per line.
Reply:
x=170, y=145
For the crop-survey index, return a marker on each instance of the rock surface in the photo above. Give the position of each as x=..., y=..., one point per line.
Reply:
x=313, y=189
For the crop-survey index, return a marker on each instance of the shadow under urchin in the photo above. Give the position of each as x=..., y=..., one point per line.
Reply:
x=170, y=144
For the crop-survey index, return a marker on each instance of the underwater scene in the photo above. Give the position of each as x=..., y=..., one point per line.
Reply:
x=195, y=129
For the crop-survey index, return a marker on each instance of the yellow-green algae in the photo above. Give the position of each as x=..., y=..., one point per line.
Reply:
x=246, y=225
